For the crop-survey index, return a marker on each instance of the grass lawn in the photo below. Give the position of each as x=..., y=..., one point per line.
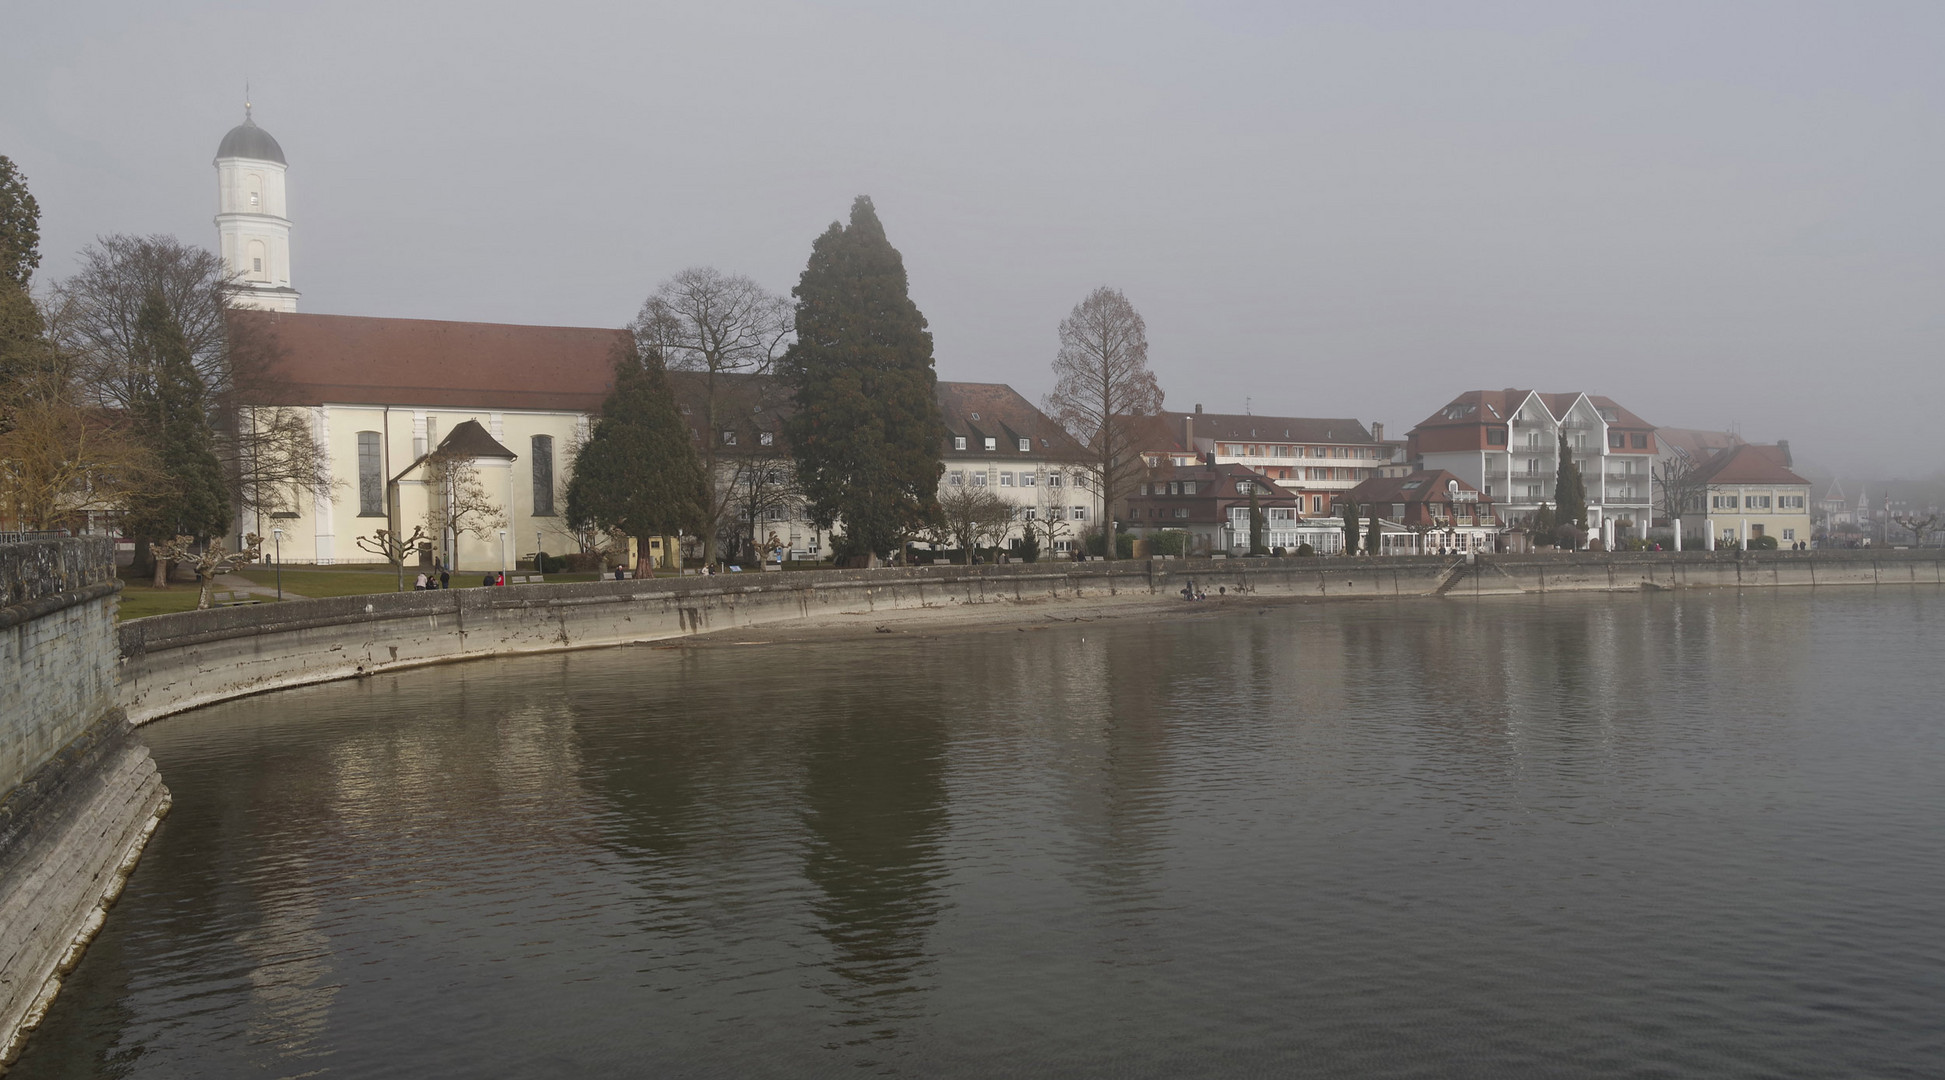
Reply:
x=140, y=600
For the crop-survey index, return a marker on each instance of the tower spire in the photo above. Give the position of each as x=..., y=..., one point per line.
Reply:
x=246, y=102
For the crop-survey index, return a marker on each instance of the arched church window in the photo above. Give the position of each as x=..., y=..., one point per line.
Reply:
x=259, y=255
x=543, y=459
x=371, y=476
x=253, y=185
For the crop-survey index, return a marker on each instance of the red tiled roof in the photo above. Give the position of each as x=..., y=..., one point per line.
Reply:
x=353, y=360
x=1748, y=464
x=1248, y=427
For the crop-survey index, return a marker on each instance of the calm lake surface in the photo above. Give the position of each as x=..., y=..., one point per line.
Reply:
x=1653, y=836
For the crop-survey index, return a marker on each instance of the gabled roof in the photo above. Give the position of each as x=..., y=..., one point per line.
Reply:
x=1421, y=485
x=353, y=360
x=1499, y=406
x=470, y=439
x=1748, y=464
x=979, y=411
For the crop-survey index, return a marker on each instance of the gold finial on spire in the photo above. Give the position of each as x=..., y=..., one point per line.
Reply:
x=246, y=99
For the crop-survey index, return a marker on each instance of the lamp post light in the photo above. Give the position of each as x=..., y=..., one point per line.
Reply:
x=277, y=538
x=538, y=569
x=503, y=555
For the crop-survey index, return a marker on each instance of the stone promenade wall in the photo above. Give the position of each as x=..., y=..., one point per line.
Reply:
x=176, y=662
x=78, y=795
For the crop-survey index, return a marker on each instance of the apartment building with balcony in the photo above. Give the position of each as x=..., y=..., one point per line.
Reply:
x=1506, y=444
x=1315, y=459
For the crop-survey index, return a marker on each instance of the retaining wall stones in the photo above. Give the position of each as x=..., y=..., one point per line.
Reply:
x=79, y=795
x=176, y=662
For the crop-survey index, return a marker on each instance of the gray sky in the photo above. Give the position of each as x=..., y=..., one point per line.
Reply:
x=1719, y=214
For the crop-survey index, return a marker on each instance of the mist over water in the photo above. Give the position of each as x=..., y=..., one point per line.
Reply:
x=1586, y=836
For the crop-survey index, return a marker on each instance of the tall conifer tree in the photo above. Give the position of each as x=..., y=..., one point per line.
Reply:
x=866, y=433
x=1569, y=489
x=1350, y=526
x=188, y=496
x=638, y=473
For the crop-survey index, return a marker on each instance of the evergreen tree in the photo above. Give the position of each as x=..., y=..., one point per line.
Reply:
x=1543, y=526
x=1569, y=490
x=866, y=433
x=187, y=496
x=1350, y=526
x=1256, y=544
x=23, y=345
x=1372, y=535
x=637, y=475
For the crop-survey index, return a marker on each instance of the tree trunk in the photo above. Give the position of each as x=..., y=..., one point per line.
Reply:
x=161, y=573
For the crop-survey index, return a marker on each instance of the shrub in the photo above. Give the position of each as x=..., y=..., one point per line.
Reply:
x=1305, y=551
x=1169, y=542
x=581, y=562
x=1097, y=544
x=1762, y=543
x=1027, y=548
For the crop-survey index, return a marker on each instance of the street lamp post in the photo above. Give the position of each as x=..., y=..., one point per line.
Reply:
x=277, y=537
x=503, y=555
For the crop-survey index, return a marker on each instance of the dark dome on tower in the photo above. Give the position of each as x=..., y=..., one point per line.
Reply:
x=247, y=140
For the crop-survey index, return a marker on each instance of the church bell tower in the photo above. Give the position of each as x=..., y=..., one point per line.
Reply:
x=252, y=217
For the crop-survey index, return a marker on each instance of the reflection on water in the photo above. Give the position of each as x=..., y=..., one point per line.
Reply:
x=1601, y=836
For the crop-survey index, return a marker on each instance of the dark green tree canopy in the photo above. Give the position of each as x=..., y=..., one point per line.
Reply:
x=1350, y=526
x=1569, y=489
x=20, y=226
x=638, y=473
x=866, y=433
x=189, y=496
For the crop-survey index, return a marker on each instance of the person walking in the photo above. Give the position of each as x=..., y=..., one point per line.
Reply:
x=445, y=579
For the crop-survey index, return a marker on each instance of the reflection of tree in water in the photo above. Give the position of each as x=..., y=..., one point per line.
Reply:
x=875, y=806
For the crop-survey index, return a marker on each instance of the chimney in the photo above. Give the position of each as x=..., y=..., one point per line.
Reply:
x=1784, y=445
x=1377, y=431
x=1209, y=459
x=1198, y=406
x=1188, y=432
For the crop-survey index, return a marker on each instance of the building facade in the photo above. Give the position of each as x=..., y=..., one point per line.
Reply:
x=1429, y=512
x=1315, y=459
x=1748, y=493
x=1211, y=501
x=1506, y=444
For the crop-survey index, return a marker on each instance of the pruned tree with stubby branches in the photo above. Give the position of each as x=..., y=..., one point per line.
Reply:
x=1918, y=526
x=726, y=332
x=1676, y=484
x=214, y=560
x=395, y=548
x=1103, y=389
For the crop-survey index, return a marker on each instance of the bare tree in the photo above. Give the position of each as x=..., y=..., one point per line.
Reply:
x=210, y=562
x=60, y=459
x=1103, y=389
x=458, y=503
x=758, y=486
x=269, y=453
x=968, y=515
x=395, y=548
x=1918, y=527
x=1047, y=525
x=1676, y=485
x=725, y=328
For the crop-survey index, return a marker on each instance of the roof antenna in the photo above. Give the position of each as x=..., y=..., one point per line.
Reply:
x=1246, y=411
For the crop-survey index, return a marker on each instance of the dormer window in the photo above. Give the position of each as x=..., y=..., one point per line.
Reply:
x=766, y=438
x=958, y=442
x=729, y=438
x=992, y=443
x=1026, y=445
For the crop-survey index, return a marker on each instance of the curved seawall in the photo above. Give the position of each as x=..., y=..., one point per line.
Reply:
x=174, y=662
x=78, y=796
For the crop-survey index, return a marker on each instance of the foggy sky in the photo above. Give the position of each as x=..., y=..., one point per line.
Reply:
x=1719, y=214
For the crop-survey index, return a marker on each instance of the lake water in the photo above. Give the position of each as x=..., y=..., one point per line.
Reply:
x=1628, y=836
